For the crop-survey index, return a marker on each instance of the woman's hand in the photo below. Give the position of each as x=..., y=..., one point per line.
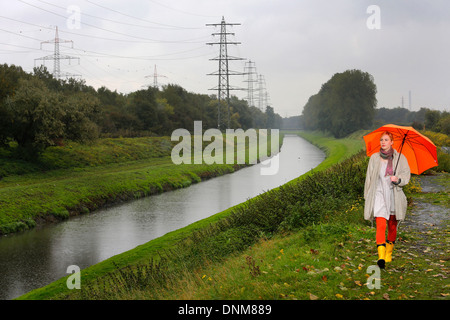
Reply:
x=394, y=179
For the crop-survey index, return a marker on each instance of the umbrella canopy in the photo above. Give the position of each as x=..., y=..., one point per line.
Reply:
x=419, y=150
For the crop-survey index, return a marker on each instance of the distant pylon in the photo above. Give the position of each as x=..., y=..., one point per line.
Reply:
x=410, y=104
x=223, y=88
x=56, y=57
x=262, y=93
x=250, y=71
x=155, y=77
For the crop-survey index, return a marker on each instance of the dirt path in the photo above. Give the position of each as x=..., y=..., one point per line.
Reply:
x=428, y=219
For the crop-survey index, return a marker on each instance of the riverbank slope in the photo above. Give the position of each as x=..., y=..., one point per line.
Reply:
x=76, y=179
x=155, y=249
x=320, y=248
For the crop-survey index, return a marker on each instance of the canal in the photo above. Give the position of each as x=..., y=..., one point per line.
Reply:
x=35, y=258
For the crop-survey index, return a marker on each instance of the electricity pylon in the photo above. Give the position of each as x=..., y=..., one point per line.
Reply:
x=223, y=88
x=56, y=56
x=262, y=93
x=250, y=71
x=155, y=78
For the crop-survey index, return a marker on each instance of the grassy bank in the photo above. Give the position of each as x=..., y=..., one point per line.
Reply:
x=207, y=241
x=76, y=179
x=304, y=240
x=326, y=261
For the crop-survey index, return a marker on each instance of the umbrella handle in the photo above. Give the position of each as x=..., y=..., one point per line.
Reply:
x=401, y=148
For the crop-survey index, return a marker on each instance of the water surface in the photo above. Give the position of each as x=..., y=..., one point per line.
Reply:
x=35, y=258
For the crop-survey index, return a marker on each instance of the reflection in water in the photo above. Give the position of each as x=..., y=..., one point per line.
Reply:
x=37, y=257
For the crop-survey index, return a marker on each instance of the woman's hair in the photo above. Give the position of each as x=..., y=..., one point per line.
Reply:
x=387, y=133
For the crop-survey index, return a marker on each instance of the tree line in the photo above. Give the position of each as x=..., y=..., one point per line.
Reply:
x=344, y=104
x=424, y=119
x=347, y=103
x=37, y=111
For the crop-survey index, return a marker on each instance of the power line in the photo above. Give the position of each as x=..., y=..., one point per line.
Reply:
x=100, y=54
x=137, y=18
x=250, y=71
x=99, y=37
x=262, y=93
x=115, y=21
x=223, y=88
x=56, y=57
x=107, y=30
x=155, y=78
x=185, y=12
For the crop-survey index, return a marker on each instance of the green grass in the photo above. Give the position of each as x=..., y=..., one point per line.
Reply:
x=304, y=240
x=212, y=238
x=329, y=261
x=77, y=155
x=326, y=261
x=76, y=178
x=53, y=196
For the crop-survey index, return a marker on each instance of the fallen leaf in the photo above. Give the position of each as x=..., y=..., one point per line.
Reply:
x=324, y=278
x=313, y=297
x=339, y=296
x=386, y=296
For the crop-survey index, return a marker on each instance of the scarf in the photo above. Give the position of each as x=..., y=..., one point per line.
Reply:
x=388, y=155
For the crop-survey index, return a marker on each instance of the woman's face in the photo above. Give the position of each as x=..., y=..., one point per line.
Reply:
x=386, y=142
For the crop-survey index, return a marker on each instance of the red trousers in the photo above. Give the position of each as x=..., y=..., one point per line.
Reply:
x=381, y=229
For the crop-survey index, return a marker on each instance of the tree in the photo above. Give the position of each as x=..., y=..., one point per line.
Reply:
x=444, y=123
x=9, y=79
x=143, y=104
x=273, y=120
x=82, y=111
x=343, y=105
x=36, y=117
x=38, y=110
x=432, y=118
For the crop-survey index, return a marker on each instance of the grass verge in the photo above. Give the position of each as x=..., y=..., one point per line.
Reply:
x=206, y=241
x=76, y=179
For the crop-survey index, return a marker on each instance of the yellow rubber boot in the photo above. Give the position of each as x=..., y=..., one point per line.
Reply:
x=389, y=249
x=381, y=255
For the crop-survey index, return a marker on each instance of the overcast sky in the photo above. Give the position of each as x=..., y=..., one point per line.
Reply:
x=296, y=45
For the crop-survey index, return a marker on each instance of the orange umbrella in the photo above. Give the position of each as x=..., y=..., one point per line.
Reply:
x=419, y=150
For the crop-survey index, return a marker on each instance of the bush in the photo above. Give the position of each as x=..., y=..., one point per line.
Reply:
x=441, y=141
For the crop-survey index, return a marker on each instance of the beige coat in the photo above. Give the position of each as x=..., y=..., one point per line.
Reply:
x=403, y=172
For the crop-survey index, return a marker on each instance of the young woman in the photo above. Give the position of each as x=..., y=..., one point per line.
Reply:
x=384, y=198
